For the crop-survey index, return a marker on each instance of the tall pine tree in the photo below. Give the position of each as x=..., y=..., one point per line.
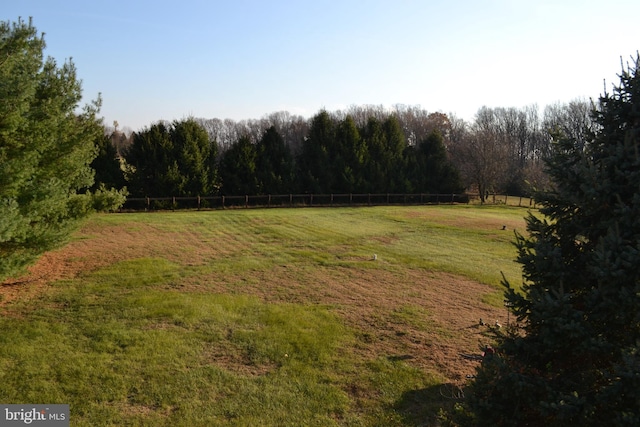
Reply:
x=238, y=169
x=46, y=148
x=274, y=164
x=315, y=159
x=573, y=358
x=108, y=170
x=430, y=169
x=174, y=159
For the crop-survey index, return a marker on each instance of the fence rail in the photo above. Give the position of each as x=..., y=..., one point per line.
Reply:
x=310, y=200
x=288, y=200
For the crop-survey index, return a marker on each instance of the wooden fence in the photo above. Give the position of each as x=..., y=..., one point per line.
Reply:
x=289, y=200
x=309, y=200
x=503, y=199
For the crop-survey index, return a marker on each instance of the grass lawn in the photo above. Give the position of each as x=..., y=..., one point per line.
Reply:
x=264, y=317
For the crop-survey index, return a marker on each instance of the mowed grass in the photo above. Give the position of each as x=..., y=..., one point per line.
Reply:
x=210, y=318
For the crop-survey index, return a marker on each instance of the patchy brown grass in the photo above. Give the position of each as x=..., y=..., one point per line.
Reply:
x=475, y=218
x=368, y=300
x=375, y=302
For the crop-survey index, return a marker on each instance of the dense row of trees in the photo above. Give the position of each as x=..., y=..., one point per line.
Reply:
x=333, y=155
x=363, y=149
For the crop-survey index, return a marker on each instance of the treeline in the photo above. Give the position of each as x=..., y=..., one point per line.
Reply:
x=365, y=149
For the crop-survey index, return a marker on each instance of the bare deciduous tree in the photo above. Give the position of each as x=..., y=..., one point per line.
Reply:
x=481, y=154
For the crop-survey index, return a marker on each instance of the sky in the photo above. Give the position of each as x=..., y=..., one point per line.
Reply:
x=243, y=59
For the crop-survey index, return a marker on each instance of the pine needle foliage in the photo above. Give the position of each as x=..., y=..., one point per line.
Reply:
x=572, y=357
x=47, y=144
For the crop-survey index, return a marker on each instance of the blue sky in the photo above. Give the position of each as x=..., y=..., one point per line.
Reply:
x=242, y=59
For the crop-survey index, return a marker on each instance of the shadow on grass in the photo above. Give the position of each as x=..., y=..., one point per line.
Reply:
x=428, y=406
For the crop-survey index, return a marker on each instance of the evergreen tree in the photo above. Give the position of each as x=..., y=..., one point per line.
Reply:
x=375, y=163
x=314, y=161
x=333, y=156
x=108, y=170
x=46, y=148
x=195, y=156
x=238, y=168
x=172, y=160
x=385, y=142
x=573, y=357
x=395, y=163
x=430, y=168
x=150, y=158
x=274, y=164
x=348, y=155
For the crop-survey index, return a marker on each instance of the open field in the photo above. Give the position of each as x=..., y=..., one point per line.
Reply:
x=259, y=317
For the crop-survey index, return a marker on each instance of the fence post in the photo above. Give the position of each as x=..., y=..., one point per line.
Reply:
x=371, y=201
